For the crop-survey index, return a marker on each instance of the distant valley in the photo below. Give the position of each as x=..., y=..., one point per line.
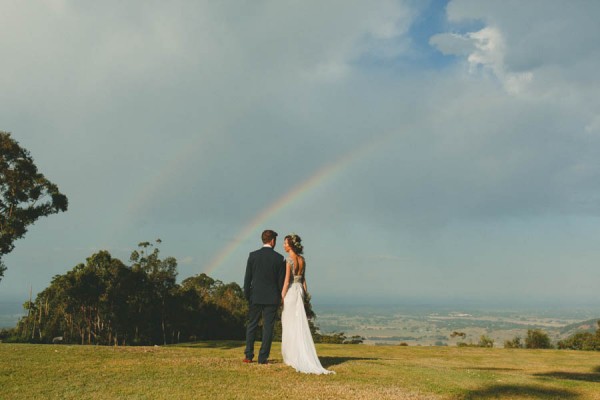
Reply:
x=433, y=326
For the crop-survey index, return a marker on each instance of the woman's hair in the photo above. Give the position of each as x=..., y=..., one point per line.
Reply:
x=295, y=243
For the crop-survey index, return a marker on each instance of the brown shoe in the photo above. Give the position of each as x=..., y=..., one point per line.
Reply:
x=247, y=361
x=264, y=362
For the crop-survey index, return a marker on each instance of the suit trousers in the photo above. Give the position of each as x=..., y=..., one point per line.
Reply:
x=269, y=312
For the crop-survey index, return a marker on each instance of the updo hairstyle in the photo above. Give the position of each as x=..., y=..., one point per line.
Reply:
x=295, y=243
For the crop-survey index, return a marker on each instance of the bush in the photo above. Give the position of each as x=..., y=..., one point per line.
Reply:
x=458, y=334
x=581, y=341
x=8, y=335
x=485, y=341
x=537, y=339
x=338, y=338
x=356, y=339
x=513, y=344
x=335, y=338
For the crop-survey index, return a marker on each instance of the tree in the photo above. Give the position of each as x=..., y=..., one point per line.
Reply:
x=537, y=339
x=25, y=194
x=162, y=276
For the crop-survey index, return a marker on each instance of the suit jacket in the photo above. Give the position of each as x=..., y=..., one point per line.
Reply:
x=265, y=273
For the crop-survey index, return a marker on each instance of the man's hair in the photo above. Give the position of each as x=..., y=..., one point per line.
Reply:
x=268, y=235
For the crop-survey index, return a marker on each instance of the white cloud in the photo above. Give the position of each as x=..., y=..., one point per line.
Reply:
x=485, y=51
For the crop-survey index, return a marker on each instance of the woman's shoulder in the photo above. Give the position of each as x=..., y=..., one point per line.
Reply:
x=301, y=260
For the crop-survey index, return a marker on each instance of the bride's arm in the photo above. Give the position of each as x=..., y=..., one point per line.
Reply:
x=304, y=276
x=286, y=283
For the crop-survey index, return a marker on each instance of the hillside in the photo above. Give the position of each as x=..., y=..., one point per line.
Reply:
x=584, y=326
x=215, y=370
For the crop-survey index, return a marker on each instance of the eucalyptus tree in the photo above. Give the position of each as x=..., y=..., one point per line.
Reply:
x=25, y=194
x=161, y=275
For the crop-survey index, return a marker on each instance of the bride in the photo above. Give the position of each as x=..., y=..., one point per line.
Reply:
x=297, y=345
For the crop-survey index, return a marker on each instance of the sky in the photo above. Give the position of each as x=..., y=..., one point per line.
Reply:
x=434, y=150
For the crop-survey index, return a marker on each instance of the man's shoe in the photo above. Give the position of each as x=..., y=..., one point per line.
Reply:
x=264, y=362
x=247, y=361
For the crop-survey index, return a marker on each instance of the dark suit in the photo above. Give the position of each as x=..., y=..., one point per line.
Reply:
x=263, y=283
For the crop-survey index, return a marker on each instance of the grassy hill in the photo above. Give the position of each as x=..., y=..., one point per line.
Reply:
x=215, y=370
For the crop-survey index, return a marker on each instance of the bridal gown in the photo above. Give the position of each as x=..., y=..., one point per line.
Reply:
x=297, y=346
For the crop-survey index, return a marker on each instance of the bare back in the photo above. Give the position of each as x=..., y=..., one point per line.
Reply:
x=298, y=265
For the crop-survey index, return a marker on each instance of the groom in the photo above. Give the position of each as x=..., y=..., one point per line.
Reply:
x=263, y=284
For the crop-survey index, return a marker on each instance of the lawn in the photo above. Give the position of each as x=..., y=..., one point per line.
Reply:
x=215, y=370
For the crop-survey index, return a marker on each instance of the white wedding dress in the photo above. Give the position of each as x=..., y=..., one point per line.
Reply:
x=297, y=346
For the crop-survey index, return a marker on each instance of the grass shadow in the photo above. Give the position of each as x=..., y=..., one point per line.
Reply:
x=213, y=344
x=572, y=376
x=513, y=391
x=494, y=369
x=327, y=362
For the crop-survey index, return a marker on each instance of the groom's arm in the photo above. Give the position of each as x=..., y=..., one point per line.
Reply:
x=248, y=279
x=281, y=276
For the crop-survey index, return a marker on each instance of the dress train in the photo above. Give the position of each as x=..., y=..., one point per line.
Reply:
x=297, y=346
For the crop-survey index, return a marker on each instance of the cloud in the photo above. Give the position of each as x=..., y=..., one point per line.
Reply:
x=483, y=49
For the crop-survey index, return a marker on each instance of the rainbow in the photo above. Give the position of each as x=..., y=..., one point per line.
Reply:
x=315, y=180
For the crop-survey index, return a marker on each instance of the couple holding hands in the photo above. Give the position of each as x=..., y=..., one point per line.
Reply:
x=270, y=280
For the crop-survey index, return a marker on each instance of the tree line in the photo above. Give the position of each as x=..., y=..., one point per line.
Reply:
x=107, y=302
x=538, y=339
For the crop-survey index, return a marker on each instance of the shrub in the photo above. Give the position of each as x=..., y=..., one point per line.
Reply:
x=581, y=341
x=458, y=334
x=513, y=344
x=485, y=341
x=8, y=335
x=338, y=338
x=335, y=338
x=356, y=339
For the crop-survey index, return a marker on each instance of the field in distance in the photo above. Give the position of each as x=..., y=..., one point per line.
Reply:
x=433, y=325
x=215, y=370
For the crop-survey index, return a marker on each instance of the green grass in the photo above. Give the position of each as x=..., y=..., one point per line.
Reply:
x=215, y=370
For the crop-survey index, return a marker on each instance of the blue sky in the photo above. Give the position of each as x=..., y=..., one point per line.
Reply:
x=465, y=133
